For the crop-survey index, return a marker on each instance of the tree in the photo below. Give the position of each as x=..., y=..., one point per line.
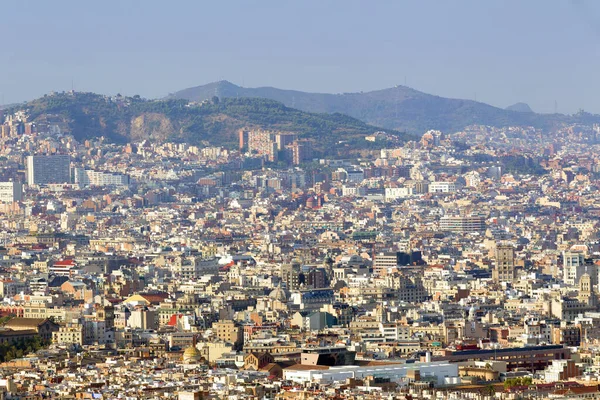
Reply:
x=489, y=390
x=522, y=381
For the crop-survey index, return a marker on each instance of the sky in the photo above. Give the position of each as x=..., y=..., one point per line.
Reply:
x=495, y=51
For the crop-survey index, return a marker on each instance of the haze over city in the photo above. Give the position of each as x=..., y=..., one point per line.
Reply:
x=498, y=52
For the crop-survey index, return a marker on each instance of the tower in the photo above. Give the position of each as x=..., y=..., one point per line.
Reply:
x=586, y=291
x=292, y=276
x=573, y=267
x=504, y=257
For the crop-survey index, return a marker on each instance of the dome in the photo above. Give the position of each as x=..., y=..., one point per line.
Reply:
x=279, y=294
x=192, y=355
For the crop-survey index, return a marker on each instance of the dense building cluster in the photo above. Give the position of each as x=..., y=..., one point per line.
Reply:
x=456, y=266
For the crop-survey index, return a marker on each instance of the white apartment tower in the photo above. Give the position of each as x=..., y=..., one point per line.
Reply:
x=43, y=170
x=573, y=267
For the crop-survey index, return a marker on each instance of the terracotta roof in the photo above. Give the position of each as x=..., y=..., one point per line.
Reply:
x=577, y=390
x=25, y=322
x=268, y=367
x=369, y=363
x=154, y=298
x=10, y=332
x=302, y=367
x=65, y=263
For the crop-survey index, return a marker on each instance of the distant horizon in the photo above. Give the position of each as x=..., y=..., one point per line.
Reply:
x=497, y=52
x=161, y=97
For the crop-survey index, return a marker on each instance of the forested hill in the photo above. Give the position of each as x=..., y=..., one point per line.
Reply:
x=400, y=108
x=118, y=118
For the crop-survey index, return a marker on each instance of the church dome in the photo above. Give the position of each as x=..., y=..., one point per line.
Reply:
x=192, y=355
x=279, y=294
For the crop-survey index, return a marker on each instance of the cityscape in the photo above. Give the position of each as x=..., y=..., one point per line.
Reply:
x=458, y=265
x=291, y=238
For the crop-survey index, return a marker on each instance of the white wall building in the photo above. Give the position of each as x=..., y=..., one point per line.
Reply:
x=355, y=175
x=440, y=372
x=11, y=192
x=352, y=190
x=573, y=267
x=87, y=177
x=442, y=187
x=397, y=193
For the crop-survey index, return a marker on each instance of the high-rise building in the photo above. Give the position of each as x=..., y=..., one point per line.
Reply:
x=383, y=261
x=5, y=130
x=262, y=143
x=243, y=137
x=11, y=192
x=505, y=263
x=29, y=128
x=316, y=278
x=266, y=143
x=573, y=266
x=43, y=170
x=292, y=276
x=301, y=151
x=284, y=139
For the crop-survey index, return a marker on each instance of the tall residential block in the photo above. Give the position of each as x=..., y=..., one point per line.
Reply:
x=505, y=263
x=11, y=192
x=574, y=267
x=43, y=170
x=292, y=276
x=267, y=143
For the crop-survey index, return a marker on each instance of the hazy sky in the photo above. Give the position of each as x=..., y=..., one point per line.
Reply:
x=536, y=51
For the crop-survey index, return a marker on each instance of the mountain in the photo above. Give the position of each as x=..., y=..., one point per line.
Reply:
x=400, y=107
x=120, y=119
x=520, y=107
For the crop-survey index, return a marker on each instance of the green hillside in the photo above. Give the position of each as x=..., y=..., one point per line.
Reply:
x=400, y=108
x=89, y=115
